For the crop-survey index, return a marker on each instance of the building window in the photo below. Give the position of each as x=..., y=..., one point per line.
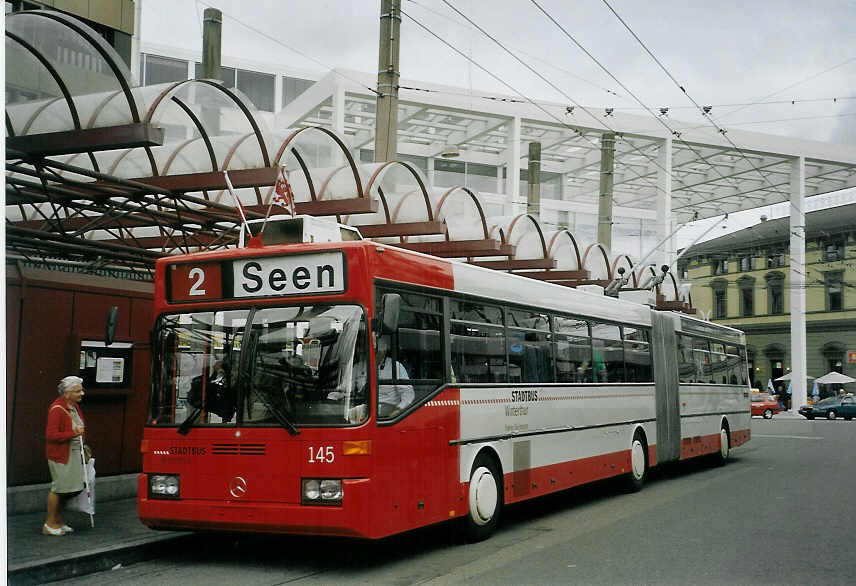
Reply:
x=775, y=258
x=720, y=307
x=720, y=266
x=551, y=184
x=747, y=296
x=157, y=69
x=720, y=298
x=775, y=293
x=834, y=291
x=258, y=87
x=292, y=87
x=833, y=250
x=747, y=263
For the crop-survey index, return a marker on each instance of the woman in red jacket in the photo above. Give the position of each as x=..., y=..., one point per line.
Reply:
x=64, y=435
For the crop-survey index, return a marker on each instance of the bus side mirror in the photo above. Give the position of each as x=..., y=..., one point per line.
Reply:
x=110, y=326
x=390, y=305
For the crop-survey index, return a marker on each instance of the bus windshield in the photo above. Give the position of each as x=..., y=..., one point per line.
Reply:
x=290, y=366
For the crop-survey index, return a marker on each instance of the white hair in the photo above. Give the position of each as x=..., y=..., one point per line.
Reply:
x=68, y=383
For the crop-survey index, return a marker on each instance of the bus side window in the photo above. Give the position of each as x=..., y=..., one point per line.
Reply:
x=478, y=342
x=637, y=355
x=530, y=349
x=573, y=350
x=418, y=344
x=701, y=357
x=607, y=353
x=686, y=364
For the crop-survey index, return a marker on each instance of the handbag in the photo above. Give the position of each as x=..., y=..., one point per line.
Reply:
x=84, y=501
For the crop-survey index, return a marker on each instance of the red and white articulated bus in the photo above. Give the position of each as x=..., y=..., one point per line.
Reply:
x=357, y=389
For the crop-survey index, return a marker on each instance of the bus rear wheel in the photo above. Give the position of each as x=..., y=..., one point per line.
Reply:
x=635, y=480
x=486, y=499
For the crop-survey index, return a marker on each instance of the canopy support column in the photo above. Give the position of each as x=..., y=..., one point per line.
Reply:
x=666, y=253
x=338, y=120
x=797, y=284
x=604, y=208
x=386, y=121
x=512, y=165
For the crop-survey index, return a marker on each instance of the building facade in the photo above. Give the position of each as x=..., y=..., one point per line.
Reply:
x=742, y=280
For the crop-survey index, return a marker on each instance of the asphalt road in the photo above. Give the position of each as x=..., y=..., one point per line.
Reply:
x=781, y=511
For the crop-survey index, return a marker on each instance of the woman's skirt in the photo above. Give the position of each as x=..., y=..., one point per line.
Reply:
x=67, y=478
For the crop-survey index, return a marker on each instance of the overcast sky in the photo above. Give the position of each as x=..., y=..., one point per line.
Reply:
x=724, y=53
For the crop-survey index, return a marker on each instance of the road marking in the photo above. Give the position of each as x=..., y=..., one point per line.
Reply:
x=811, y=437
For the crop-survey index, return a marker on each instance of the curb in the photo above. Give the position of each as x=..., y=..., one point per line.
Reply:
x=96, y=560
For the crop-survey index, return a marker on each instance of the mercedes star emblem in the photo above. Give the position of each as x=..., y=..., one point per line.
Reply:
x=238, y=487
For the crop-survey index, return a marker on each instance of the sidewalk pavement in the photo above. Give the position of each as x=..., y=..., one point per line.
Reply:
x=117, y=538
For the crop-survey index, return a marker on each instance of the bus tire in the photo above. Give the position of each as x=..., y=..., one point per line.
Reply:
x=635, y=479
x=721, y=456
x=485, y=499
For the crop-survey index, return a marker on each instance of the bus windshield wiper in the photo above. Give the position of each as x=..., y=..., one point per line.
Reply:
x=185, y=426
x=245, y=376
x=276, y=412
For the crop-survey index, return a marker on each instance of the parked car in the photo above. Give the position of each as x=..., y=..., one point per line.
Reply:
x=831, y=408
x=764, y=405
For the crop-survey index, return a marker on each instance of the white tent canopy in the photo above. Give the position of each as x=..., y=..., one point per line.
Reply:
x=788, y=377
x=835, y=378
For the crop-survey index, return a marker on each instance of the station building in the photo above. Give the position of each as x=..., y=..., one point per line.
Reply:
x=743, y=280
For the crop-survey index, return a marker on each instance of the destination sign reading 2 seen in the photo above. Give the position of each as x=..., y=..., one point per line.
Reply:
x=304, y=274
x=301, y=274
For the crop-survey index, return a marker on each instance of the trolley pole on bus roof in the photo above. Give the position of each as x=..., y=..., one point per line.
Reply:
x=386, y=121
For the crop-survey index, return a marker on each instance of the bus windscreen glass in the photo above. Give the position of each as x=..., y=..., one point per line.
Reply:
x=290, y=366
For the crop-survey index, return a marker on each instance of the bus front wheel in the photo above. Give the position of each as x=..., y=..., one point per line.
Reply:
x=486, y=499
x=721, y=456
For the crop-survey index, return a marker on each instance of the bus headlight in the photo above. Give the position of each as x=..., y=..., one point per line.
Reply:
x=331, y=490
x=318, y=491
x=164, y=486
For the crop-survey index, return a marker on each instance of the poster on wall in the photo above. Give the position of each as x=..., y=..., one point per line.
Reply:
x=107, y=367
x=110, y=370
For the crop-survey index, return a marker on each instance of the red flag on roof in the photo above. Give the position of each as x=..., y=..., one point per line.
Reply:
x=283, y=196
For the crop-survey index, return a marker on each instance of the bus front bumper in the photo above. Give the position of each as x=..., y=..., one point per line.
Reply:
x=348, y=519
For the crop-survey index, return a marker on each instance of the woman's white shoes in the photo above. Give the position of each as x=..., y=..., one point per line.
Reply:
x=47, y=530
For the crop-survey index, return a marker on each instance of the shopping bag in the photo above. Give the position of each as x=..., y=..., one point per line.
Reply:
x=84, y=501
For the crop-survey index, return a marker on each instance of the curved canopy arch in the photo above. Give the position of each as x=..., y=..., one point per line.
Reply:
x=107, y=71
x=669, y=288
x=525, y=234
x=623, y=260
x=316, y=158
x=37, y=98
x=563, y=248
x=596, y=262
x=460, y=209
x=212, y=110
x=404, y=203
